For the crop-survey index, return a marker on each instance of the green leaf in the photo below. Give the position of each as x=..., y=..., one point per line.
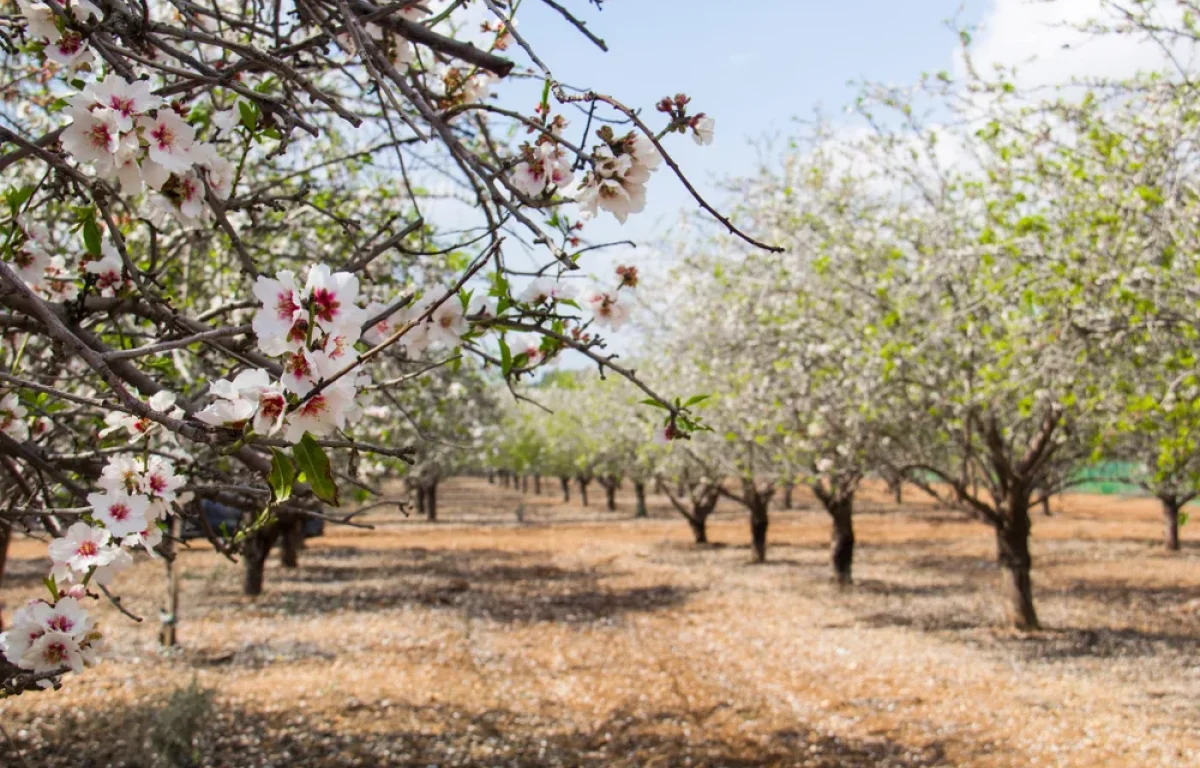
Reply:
x=655, y=403
x=283, y=475
x=18, y=197
x=91, y=235
x=505, y=357
x=249, y=113
x=315, y=465
x=695, y=399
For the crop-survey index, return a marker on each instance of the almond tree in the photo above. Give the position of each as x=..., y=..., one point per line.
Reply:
x=233, y=227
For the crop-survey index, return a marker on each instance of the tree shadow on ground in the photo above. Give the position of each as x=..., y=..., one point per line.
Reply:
x=497, y=585
x=403, y=736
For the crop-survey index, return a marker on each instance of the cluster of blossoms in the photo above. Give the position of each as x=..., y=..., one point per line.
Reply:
x=134, y=138
x=314, y=328
x=620, y=170
x=12, y=418
x=700, y=126
x=545, y=165
x=136, y=495
x=27, y=249
x=606, y=305
x=61, y=45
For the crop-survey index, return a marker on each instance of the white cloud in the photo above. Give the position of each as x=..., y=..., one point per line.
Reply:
x=1040, y=38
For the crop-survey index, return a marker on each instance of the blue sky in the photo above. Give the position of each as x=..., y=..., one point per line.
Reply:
x=753, y=69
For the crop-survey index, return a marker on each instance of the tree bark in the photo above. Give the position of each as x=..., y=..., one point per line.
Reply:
x=699, y=526
x=168, y=632
x=583, y=484
x=1046, y=506
x=5, y=537
x=1012, y=544
x=842, y=512
x=431, y=502
x=254, y=557
x=421, y=500
x=758, y=531
x=610, y=485
x=1170, y=508
x=639, y=492
x=898, y=491
x=290, y=538
x=566, y=487
x=537, y=485
x=787, y=495
x=758, y=503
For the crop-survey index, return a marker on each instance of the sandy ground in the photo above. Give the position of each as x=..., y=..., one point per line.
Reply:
x=582, y=637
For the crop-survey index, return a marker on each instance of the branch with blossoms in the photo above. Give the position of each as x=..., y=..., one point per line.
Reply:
x=180, y=181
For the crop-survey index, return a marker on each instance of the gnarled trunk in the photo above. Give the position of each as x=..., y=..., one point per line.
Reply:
x=1012, y=549
x=431, y=501
x=566, y=487
x=758, y=532
x=842, y=512
x=699, y=526
x=610, y=485
x=254, y=559
x=5, y=536
x=420, y=501
x=583, y=485
x=291, y=537
x=1170, y=508
x=537, y=484
x=758, y=503
x=639, y=493
x=787, y=495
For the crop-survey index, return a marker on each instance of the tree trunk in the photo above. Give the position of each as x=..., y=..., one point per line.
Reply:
x=659, y=488
x=1170, y=509
x=566, y=488
x=898, y=491
x=167, y=634
x=758, y=531
x=254, y=556
x=431, y=502
x=610, y=492
x=583, y=484
x=758, y=502
x=5, y=537
x=787, y=495
x=291, y=536
x=699, y=526
x=420, y=501
x=842, y=512
x=537, y=485
x=639, y=492
x=1012, y=544
x=1046, y=506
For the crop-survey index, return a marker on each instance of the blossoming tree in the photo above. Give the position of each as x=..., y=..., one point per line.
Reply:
x=232, y=230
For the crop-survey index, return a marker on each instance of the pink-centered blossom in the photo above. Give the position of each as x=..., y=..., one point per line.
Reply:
x=82, y=548
x=12, y=418
x=93, y=135
x=120, y=512
x=170, y=140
